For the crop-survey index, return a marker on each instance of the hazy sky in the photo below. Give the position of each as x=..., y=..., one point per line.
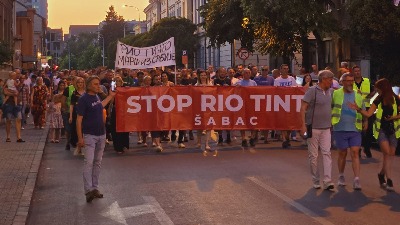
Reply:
x=90, y=12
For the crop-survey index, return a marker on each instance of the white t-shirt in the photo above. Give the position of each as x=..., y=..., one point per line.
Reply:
x=285, y=82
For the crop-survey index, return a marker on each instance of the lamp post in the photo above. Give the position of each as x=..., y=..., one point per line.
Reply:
x=131, y=6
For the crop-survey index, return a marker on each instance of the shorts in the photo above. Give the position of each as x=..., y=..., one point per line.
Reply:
x=391, y=139
x=11, y=112
x=347, y=139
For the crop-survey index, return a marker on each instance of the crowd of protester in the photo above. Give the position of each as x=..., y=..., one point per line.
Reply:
x=52, y=96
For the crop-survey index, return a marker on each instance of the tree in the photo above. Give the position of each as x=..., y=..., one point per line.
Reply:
x=6, y=52
x=224, y=22
x=375, y=26
x=278, y=27
x=180, y=28
x=82, y=52
x=112, y=30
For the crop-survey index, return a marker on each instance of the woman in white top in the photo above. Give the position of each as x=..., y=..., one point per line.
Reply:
x=204, y=80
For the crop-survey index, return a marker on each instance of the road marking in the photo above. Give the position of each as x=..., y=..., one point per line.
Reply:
x=120, y=215
x=290, y=201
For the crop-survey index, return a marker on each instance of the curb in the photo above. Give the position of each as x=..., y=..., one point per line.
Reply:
x=23, y=208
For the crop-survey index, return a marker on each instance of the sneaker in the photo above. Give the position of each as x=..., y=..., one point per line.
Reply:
x=90, y=196
x=215, y=152
x=204, y=153
x=389, y=185
x=317, y=186
x=328, y=186
x=97, y=193
x=181, y=145
x=382, y=181
x=357, y=185
x=244, y=144
x=140, y=142
x=23, y=128
x=154, y=144
x=252, y=142
x=144, y=144
x=341, y=181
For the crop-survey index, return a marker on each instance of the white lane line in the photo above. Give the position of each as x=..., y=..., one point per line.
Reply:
x=159, y=212
x=290, y=201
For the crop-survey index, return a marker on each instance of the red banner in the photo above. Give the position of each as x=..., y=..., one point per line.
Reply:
x=207, y=108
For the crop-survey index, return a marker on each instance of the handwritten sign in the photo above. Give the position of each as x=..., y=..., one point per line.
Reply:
x=148, y=57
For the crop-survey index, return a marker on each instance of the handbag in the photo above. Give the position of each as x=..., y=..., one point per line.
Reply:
x=309, y=126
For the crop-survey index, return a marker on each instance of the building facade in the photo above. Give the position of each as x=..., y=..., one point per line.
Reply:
x=75, y=30
x=153, y=13
x=55, y=45
x=41, y=6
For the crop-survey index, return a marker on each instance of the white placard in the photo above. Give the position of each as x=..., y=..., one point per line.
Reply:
x=148, y=57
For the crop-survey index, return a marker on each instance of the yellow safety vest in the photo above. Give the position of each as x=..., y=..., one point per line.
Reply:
x=377, y=123
x=365, y=90
x=337, y=102
x=71, y=89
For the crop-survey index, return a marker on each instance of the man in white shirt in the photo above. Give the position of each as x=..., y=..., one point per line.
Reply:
x=285, y=81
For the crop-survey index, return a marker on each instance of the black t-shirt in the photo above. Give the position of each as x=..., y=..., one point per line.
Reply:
x=106, y=83
x=387, y=111
x=223, y=82
x=47, y=82
x=187, y=81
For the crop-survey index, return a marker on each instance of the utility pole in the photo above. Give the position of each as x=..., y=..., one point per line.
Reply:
x=103, y=50
x=69, y=56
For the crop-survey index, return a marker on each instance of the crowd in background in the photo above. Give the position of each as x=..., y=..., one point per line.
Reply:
x=51, y=96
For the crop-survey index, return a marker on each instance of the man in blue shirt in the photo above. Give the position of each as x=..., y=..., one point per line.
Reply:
x=90, y=126
x=347, y=127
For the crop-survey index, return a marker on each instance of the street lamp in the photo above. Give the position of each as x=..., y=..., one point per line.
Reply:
x=131, y=6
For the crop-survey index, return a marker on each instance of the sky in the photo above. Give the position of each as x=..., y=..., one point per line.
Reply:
x=63, y=13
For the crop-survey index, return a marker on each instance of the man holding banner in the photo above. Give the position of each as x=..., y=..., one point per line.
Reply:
x=246, y=81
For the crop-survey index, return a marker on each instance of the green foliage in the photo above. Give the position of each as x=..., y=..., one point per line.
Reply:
x=277, y=27
x=83, y=51
x=181, y=29
x=112, y=30
x=6, y=52
x=375, y=26
x=223, y=23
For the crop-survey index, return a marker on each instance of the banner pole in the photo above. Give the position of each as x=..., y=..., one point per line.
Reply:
x=175, y=76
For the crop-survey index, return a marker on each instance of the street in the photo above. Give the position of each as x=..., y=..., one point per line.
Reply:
x=265, y=185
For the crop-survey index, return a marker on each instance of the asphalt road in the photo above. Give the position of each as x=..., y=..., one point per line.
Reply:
x=264, y=185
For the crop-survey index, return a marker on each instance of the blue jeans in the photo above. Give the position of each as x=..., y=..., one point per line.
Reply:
x=93, y=150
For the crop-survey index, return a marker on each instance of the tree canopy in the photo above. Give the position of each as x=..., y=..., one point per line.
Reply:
x=82, y=52
x=111, y=31
x=6, y=52
x=278, y=27
x=375, y=26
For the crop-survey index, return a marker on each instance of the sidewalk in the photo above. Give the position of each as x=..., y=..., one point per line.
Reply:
x=19, y=166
